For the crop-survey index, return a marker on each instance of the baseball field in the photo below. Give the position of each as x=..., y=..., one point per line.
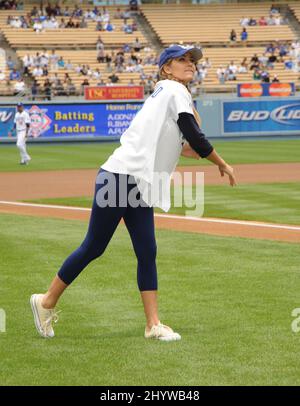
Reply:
x=228, y=282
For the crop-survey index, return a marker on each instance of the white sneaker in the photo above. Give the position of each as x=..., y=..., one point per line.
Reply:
x=43, y=318
x=163, y=333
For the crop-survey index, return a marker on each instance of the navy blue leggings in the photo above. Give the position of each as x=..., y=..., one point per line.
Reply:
x=103, y=223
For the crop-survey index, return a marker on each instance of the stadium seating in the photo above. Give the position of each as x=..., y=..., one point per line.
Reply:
x=210, y=24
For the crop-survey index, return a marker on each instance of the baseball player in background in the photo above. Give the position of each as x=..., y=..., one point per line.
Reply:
x=22, y=126
x=166, y=127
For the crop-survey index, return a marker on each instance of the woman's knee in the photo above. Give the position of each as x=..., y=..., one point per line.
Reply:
x=92, y=250
x=147, y=253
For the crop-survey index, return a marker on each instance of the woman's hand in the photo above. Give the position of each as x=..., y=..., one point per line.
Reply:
x=229, y=171
x=188, y=151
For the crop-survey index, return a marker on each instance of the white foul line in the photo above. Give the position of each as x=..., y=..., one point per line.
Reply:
x=169, y=216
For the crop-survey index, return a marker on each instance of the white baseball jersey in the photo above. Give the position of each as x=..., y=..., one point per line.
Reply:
x=21, y=119
x=152, y=144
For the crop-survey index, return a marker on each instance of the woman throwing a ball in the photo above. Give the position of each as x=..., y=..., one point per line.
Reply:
x=128, y=186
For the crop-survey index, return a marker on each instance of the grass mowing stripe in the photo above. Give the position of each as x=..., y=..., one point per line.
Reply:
x=79, y=156
x=272, y=202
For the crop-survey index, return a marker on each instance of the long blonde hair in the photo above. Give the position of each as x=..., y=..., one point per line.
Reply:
x=163, y=75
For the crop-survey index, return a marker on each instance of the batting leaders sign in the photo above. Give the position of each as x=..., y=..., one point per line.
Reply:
x=114, y=92
x=262, y=116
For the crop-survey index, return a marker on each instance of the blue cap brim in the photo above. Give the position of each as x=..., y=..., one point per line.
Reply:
x=195, y=51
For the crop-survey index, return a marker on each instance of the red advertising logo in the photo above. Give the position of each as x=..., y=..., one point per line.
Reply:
x=280, y=89
x=114, y=93
x=251, y=90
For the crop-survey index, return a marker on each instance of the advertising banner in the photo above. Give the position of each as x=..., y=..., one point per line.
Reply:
x=265, y=89
x=243, y=117
x=114, y=92
x=73, y=120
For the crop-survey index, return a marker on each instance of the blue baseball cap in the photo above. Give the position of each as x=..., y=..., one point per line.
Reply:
x=175, y=51
x=20, y=104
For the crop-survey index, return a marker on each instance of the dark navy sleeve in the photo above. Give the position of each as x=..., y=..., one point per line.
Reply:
x=193, y=134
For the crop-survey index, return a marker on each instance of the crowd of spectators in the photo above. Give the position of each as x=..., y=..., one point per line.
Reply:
x=55, y=17
x=261, y=66
x=56, y=70
x=11, y=5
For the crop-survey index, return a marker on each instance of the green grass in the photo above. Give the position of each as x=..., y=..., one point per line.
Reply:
x=230, y=298
x=273, y=202
x=92, y=155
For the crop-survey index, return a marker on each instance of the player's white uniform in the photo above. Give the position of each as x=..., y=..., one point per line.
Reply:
x=153, y=143
x=21, y=120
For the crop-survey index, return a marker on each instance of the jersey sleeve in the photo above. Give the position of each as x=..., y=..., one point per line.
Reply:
x=181, y=102
x=27, y=119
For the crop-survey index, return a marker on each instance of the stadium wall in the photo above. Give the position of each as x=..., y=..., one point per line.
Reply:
x=222, y=117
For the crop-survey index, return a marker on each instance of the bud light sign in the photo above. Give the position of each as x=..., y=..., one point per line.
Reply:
x=261, y=116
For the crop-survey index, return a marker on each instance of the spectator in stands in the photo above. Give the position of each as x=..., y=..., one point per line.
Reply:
x=114, y=78
x=243, y=68
x=34, y=12
x=127, y=28
x=99, y=44
x=233, y=36
x=54, y=79
x=252, y=22
x=222, y=78
x=283, y=51
x=288, y=64
x=137, y=46
x=78, y=12
x=101, y=83
x=133, y=6
x=96, y=74
x=37, y=27
x=275, y=79
x=70, y=88
x=44, y=58
x=14, y=74
x=256, y=74
x=270, y=48
x=262, y=21
x=37, y=71
x=109, y=26
x=53, y=59
x=99, y=26
x=265, y=76
x=220, y=71
x=274, y=9
x=89, y=14
x=61, y=63
x=263, y=60
x=2, y=76
x=277, y=20
x=19, y=86
x=70, y=23
x=271, y=60
x=58, y=89
x=27, y=63
x=118, y=13
x=62, y=24
x=230, y=75
x=34, y=90
x=83, y=84
x=244, y=21
x=67, y=12
x=47, y=89
x=254, y=62
x=101, y=56
x=10, y=63
x=244, y=35
x=233, y=67
x=83, y=23
x=45, y=71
